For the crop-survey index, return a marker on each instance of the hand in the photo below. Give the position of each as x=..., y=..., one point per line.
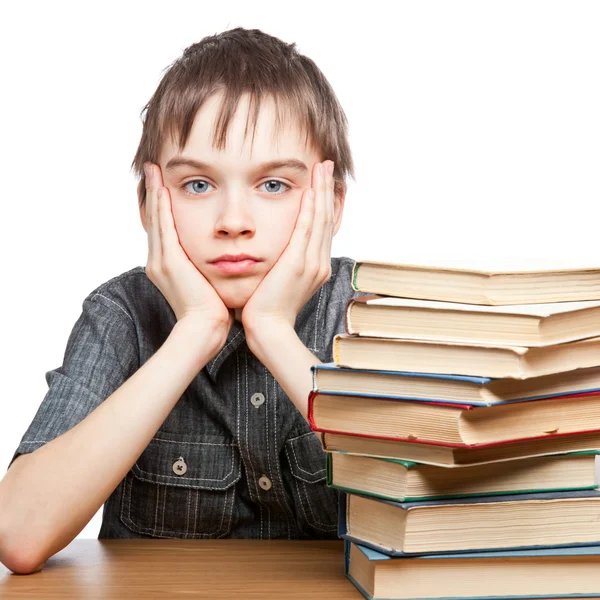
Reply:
x=303, y=267
x=169, y=268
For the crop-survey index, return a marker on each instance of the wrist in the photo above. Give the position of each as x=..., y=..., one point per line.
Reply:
x=207, y=335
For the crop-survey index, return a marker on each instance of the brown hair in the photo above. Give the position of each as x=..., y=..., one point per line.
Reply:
x=236, y=61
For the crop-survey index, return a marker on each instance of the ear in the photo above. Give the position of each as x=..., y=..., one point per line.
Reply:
x=338, y=207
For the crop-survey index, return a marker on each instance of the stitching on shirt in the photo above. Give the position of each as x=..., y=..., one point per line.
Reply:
x=298, y=465
x=156, y=503
x=286, y=505
x=237, y=360
x=313, y=523
x=195, y=443
x=118, y=278
x=181, y=477
x=317, y=317
x=266, y=405
x=115, y=303
x=128, y=485
x=223, y=350
x=187, y=513
x=301, y=435
x=258, y=500
x=278, y=494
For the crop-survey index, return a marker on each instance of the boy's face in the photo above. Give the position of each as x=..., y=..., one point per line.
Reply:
x=232, y=206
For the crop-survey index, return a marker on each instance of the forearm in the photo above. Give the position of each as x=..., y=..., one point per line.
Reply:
x=289, y=361
x=47, y=499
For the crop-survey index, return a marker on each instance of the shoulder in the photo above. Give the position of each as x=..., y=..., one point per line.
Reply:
x=131, y=293
x=340, y=282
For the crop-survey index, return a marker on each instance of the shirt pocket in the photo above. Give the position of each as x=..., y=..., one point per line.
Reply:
x=317, y=502
x=182, y=486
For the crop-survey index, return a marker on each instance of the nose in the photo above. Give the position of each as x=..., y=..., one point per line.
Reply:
x=235, y=216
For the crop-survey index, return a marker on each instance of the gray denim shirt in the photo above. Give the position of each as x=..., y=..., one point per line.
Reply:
x=234, y=458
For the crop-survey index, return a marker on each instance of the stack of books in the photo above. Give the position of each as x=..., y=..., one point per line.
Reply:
x=461, y=421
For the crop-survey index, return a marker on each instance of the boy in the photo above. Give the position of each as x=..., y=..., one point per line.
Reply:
x=181, y=403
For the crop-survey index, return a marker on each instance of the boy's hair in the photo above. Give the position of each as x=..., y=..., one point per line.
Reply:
x=237, y=61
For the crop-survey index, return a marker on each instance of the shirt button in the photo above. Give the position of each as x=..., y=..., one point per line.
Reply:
x=257, y=399
x=265, y=482
x=179, y=466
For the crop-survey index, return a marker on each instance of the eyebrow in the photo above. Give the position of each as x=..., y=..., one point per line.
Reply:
x=291, y=163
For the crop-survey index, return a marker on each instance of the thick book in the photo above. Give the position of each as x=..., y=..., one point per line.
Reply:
x=407, y=481
x=451, y=424
x=491, y=575
x=449, y=457
x=328, y=378
x=471, y=524
x=483, y=360
x=477, y=286
x=514, y=325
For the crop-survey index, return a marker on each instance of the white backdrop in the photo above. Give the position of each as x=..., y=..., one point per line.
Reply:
x=474, y=125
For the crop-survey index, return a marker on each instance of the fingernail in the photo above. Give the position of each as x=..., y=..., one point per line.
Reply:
x=147, y=170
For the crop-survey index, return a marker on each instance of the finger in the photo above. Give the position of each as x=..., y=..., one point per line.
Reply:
x=328, y=234
x=315, y=245
x=166, y=224
x=303, y=229
x=154, y=249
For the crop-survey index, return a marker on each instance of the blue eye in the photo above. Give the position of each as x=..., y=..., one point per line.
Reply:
x=202, y=190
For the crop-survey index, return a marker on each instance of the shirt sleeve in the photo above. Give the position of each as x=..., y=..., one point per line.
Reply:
x=102, y=353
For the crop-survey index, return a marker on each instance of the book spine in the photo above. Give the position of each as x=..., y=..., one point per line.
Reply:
x=311, y=400
x=347, y=322
x=354, y=276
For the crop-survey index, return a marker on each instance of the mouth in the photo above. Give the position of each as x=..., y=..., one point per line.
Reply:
x=235, y=266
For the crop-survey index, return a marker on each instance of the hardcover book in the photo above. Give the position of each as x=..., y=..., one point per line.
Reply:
x=492, y=575
x=453, y=525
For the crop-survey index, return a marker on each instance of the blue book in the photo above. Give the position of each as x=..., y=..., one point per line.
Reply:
x=328, y=378
x=511, y=574
x=454, y=525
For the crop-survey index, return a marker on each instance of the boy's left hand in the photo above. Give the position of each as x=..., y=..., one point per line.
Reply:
x=303, y=267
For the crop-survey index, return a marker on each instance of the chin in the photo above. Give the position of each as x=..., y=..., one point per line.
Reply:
x=235, y=294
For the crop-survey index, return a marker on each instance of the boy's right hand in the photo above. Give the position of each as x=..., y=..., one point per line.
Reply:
x=188, y=292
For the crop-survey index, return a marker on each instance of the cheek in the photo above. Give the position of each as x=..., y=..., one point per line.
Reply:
x=191, y=228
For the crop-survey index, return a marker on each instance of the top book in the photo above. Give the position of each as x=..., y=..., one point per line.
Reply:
x=475, y=286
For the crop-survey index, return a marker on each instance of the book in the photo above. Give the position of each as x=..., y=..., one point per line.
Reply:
x=449, y=457
x=453, y=424
x=427, y=356
x=514, y=325
x=484, y=523
x=329, y=378
x=477, y=286
x=511, y=574
x=407, y=481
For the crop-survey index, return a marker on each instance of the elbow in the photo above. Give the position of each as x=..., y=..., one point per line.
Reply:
x=19, y=558
x=20, y=561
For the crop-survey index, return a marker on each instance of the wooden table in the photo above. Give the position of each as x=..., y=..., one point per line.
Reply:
x=169, y=568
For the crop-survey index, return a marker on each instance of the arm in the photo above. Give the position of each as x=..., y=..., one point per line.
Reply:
x=48, y=497
x=289, y=361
